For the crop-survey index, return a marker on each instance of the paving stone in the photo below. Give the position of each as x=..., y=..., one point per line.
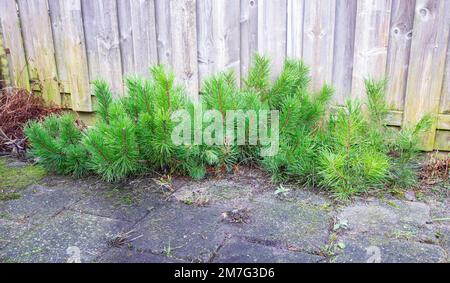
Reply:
x=124, y=203
x=305, y=195
x=386, y=250
x=16, y=164
x=289, y=223
x=87, y=213
x=50, y=242
x=40, y=202
x=224, y=193
x=125, y=255
x=382, y=218
x=11, y=231
x=240, y=251
x=185, y=232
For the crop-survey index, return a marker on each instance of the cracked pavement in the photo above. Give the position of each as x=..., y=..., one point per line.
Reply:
x=236, y=219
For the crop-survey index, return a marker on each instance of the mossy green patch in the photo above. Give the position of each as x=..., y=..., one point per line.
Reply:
x=13, y=179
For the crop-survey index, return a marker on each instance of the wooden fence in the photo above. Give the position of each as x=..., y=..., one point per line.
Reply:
x=58, y=47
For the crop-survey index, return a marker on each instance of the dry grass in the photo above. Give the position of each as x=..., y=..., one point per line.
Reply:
x=436, y=169
x=17, y=106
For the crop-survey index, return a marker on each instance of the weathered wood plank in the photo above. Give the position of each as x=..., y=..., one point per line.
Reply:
x=445, y=97
x=60, y=32
x=218, y=37
x=249, y=33
x=13, y=44
x=38, y=41
x=318, y=40
x=272, y=32
x=4, y=70
x=443, y=122
x=70, y=48
x=442, y=140
x=184, y=44
x=102, y=42
x=427, y=63
x=137, y=26
x=401, y=30
x=177, y=41
x=163, y=31
x=295, y=11
x=344, y=43
x=371, y=43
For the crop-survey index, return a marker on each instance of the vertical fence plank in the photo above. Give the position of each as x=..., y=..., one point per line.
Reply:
x=272, y=32
x=38, y=41
x=177, y=41
x=184, y=44
x=137, y=36
x=445, y=97
x=401, y=30
x=427, y=63
x=318, y=40
x=13, y=44
x=248, y=33
x=218, y=37
x=371, y=43
x=4, y=71
x=102, y=42
x=163, y=31
x=295, y=12
x=70, y=48
x=60, y=26
x=344, y=39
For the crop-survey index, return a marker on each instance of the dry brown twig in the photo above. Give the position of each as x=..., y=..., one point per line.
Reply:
x=18, y=106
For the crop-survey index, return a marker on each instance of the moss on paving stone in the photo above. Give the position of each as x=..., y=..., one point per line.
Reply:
x=125, y=203
x=126, y=255
x=15, y=178
x=371, y=248
x=181, y=232
x=240, y=251
x=39, y=203
x=302, y=226
x=50, y=241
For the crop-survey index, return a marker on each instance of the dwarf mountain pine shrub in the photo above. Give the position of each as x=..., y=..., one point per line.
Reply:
x=301, y=117
x=56, y=142
x=348, y=150
x=359, y=157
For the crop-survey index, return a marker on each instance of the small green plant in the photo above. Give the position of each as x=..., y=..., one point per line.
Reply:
x=360, y=157
x=348, y=151
x=57, y=143
x=281, y=190
x=301, y=117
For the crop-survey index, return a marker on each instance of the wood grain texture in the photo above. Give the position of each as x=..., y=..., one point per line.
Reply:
x=295, y=11
x=400, y=35
x=218, y=37
x=427, y=63
x=272, y=31
x=177, y=41
x=344, y=43
x=318, y=40
x=70, y=49
x=443, y=122
x=102, y=42
x=138, y=44
x=38, y=41
x=442, y=140
x=371, y=43
x=13, y=44
x=248, y=34
x=445, y=97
